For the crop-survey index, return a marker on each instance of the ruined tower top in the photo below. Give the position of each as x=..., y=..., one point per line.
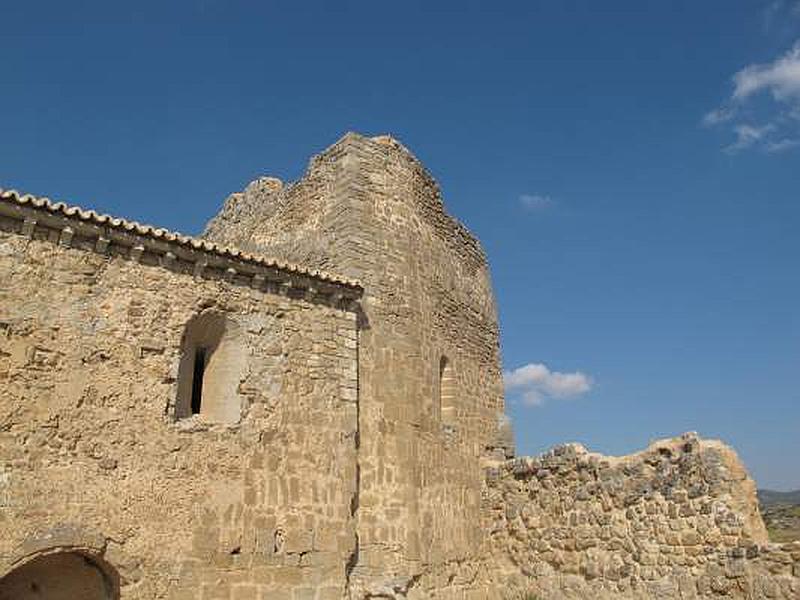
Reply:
x=430, y=381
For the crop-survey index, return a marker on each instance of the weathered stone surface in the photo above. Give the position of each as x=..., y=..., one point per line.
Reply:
x=96, y=459
x=367, y=209
x=675, y=521
x=340, y=444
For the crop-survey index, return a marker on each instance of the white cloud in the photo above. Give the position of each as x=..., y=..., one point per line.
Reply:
x=780, y=81
x=535, y=383
x=781, y=78
x=535, y=201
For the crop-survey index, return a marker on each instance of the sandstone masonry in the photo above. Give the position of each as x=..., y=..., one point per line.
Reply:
x=97, y=461
x=679, y=520
x=186, y=418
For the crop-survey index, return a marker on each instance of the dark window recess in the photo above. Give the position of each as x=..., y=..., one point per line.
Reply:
x=197, y=379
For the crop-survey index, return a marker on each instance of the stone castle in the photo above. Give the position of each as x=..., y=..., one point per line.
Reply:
x=307, y=403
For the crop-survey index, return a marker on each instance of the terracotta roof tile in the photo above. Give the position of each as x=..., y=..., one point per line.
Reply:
x=172, y=237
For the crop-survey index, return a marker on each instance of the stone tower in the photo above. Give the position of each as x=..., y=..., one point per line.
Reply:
x=429, y=378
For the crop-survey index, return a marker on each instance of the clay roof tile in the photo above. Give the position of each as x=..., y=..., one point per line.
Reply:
x=76, y=212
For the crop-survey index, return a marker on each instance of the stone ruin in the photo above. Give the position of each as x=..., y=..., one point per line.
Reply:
x=307, y=403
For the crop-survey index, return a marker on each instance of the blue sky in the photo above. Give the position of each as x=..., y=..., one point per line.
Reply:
x=630, y=167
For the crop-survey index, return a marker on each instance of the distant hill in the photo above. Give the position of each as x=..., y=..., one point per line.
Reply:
x=771, y=497
x=781, y=512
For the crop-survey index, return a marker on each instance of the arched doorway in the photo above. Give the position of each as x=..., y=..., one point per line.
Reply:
x=61, y=576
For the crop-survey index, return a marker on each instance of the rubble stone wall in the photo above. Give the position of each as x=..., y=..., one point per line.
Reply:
x=679, y=520
x=95, y=462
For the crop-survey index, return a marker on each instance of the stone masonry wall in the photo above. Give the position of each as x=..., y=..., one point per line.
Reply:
x=93, y=458
x=368, y=209
x=679, y=520
x=676, y=521
x=355, y=449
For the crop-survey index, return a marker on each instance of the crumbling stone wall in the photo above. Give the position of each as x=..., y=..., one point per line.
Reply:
x=368, y=209
x=93, y=458
x=679, y=520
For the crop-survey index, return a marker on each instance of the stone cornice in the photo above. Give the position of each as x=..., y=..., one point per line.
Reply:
x=167, y=248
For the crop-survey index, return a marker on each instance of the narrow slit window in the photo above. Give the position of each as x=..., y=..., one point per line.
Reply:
x=197, y=379
x=212, y=362
x=447, y=393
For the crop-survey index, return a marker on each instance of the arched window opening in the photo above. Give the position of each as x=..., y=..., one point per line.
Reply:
x=211, y=368
x=61, y=576
x=447, y=393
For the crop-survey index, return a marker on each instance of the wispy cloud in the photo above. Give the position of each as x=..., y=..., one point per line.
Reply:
x=535, y=201
x=779, y=128
x=748, y=135
x=771, y=11
x=782, y=145
x=776, y=13
x=719, y=115
x=535, y=383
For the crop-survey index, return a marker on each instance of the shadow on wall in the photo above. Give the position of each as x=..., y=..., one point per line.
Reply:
x=61, y=576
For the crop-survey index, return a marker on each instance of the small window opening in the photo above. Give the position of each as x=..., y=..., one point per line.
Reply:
x=447, y=393
x=197, y=379
x=211, y=369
